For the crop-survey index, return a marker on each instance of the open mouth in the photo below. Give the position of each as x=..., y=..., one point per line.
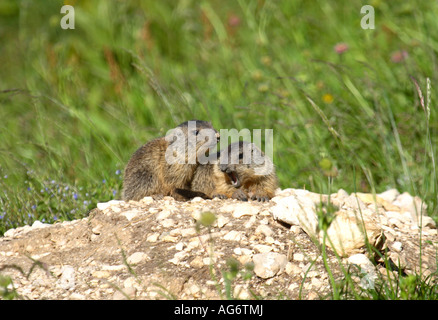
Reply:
x=234, y=179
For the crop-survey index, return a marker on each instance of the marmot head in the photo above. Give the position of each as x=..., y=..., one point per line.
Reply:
x=191, y=140
x=244, y=162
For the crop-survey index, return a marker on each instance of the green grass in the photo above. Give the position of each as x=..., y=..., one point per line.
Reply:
x=75, y=104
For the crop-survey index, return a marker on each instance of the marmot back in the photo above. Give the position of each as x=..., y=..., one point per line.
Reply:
x=150, y=172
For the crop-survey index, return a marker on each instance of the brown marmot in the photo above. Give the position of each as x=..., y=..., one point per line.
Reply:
x=160, y=166
x=242, y=171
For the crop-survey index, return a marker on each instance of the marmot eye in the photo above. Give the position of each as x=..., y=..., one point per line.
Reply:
x=196, y=132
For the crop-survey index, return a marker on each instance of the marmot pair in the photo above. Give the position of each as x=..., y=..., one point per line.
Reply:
x=150, y=173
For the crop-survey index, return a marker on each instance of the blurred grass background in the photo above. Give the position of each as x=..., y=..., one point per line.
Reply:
x=75, y=104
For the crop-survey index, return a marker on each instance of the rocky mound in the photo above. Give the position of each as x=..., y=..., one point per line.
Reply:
x=213, y=249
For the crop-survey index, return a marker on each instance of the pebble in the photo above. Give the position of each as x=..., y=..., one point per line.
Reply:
x=137, y=257
x=262, y=248
x=38, y=224
x=147, y=200
x=97, y=229
x=67, y=280
x=367, y=269
x=222, y=221
x=124, y=294
x=244, y=209
x=197, y=262
x=265, y=230
x=105, y=205
x=178, y=257
x=396, y=246
x=389, y=195
x=153, y=237
x=299, y=257
x=163, y=215
x=292, y=268
x=77, y=296
x=167, y=223
x=296, y=211
x=233, y=235
x=242, y=251
x=169, y=238
x=131, y=214
x=269, y=264
x=101, y=274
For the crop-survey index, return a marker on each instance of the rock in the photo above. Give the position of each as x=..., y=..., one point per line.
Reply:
x=9, y=233
x=414, y=205
x=427, y=222
x=97, y=229
x=164, y=214
x=125, y=294
x=396, y=246
x=242, y=251
x=265, y=230
x=298, y=257
x=244, y=209
x=353, y=202
x=267, y=265
x=367, y=270
x=222, y=220
x=398, y=260
x=101, y=274
x=131, y=214
x=105, y=205
x=197, y=262
x=38, y=224
x=241, y=293
x=348, y=230
x=296, y=211
x=152, y=237
x=77, y=296
x=362, y=261
x=262, y=248
x=342, y=194
x=67, y=280
x=389, y=195
x=233, y=235
x=147, y=200
x=292, y=268
x=137, y=257
x=178, y=257
x=369, y=198
x=167, y=223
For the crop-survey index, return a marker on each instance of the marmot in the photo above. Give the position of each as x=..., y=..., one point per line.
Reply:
x=160, y=166
x=241, y=172
x=210, y=182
